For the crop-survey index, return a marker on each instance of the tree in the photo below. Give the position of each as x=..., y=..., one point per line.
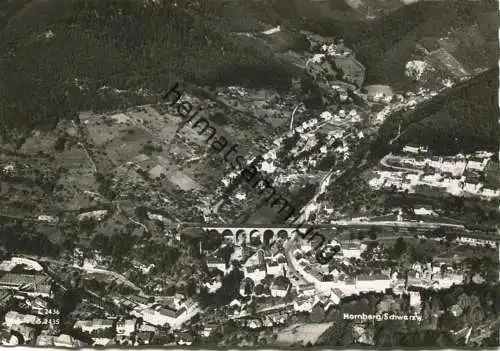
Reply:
x=451, y=236
x=373, y=232
x=225, y=253
x=476, y=315
x=141, y=212
x=464, y=300
x=102, y=243
x=347, y=337
x=449, y=322
x=220, y=118
x=399, y=247
x=317, y=314
x=268, y=235
x=212, y=241
x=230, y=288
x=259, y=289
x=69, y=301
x=385, y=335
x=438, y=232
x=249, y=286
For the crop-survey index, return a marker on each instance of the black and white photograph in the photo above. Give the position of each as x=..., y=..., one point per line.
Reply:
x=249, y=174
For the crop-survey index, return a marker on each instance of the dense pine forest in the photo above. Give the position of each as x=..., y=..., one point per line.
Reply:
x=57, y=54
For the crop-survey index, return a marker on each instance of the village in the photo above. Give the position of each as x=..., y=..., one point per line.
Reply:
x=256, y=280
x=417, y=171
x=123, y=228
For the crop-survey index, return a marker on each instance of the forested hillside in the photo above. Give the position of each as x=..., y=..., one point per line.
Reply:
x=385, y=44
x=56, y=55
x=463, y=119
x=9, y=8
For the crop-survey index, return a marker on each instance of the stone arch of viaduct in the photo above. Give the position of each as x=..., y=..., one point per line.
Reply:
x=240, y=234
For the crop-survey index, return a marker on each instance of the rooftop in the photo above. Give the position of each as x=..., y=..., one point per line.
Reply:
x=171, y=313
x=281, y=283
x=373, y=277
x=18, y=280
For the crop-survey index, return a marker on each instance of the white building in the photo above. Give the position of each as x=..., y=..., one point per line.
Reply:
x=447, y=280
x=274, y=268
x=414, y=149
x=255, y=267
x=477, y=166
x=208, y=329
x=306, y=289
x=92, y=325
x=98, y=215
x=12, y=318
x=352, y=249
x=272, y=30
x=304, y=303
x=456, y=168
x=46, y=218
x=424, y=212
x=216, y=263
x=415, y=300
x=336, y=295
x=65, y=340
x=160, y=316
x=486, y=192
x=476, y=241
x=280, y=287
x=213, y=285
x=375, y=282
x=472, y=188
x=256, y=273
x=125, y=327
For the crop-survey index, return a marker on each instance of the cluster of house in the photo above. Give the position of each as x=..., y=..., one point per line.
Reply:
x=264, y=263
x=30, y=292
x=45, y=339
x=433, y=276
x=379, y=93
x=398, y=102
x=265, y=317
x=149, y=317
x=123, y=331
x=272, y=314
x=25, y=287
x=458, y=175
x=344, y=58
x=476, y=241
x=27, y=334
x=27, y=284
x=266, y=275
x=170, y=311
x=340, y=137
x=268, y=262
x=328, y=279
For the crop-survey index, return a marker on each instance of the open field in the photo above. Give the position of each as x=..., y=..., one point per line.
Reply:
x=303, y=334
